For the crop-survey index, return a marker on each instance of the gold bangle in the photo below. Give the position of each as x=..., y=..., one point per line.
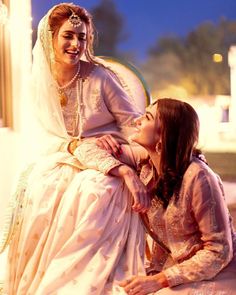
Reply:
x=72, y=146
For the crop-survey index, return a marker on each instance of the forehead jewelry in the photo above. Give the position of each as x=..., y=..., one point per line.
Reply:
x=74, y=20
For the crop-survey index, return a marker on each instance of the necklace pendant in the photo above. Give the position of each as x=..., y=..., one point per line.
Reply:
x=63, y=98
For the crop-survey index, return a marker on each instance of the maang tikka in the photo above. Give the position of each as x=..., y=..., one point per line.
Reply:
x=74, y=20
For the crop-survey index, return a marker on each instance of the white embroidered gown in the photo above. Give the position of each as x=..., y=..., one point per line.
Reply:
x=79, y=234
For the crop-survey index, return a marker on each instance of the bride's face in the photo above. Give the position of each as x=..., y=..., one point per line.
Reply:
x=69, y=43
x=148, y=129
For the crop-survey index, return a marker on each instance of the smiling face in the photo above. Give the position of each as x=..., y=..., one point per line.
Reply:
x=69, y=43
x=148, y=129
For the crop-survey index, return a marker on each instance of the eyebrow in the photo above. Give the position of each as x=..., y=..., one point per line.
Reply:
x=72, y=32
x=148, y=113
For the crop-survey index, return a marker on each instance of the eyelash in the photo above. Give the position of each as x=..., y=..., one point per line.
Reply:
x=147, y=117
x=71, y=37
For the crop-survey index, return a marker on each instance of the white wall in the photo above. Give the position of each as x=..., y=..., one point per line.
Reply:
x=19, y=28
x=232, y=64
x=9, y=165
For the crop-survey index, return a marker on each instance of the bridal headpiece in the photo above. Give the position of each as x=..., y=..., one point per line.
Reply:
x=74, y=20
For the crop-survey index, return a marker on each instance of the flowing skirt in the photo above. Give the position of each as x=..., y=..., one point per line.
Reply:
x=78, y=235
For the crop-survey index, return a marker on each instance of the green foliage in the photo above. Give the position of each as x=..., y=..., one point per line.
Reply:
x=188, y=62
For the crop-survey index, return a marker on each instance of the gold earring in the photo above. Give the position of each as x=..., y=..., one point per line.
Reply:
x=158, y=147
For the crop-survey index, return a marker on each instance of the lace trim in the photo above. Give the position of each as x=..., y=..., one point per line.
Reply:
x=173, y=276
x=2, y=289
x=91, y=156
x=46, y=39
x=14, y=212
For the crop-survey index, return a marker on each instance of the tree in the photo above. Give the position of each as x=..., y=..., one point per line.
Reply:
x=109, y=25
x=188, y=63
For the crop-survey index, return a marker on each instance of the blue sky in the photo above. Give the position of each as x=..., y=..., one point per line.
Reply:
x=147, y=20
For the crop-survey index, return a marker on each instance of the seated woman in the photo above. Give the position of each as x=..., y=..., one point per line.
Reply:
x=74, y=231
x=195, y=248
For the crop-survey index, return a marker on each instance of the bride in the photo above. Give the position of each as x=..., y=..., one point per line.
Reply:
x=76, y=230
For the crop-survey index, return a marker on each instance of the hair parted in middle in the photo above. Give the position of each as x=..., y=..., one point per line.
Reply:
x=64, y=11
x=179, y=136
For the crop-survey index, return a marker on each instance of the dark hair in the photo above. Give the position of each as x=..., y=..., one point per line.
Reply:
x=179, y=135
x=62, y=12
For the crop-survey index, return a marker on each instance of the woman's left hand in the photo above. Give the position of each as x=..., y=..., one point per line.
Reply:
x=141, y=285
x=110, y=144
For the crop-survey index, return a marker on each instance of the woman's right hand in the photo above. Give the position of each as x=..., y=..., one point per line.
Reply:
x=144, y=285
x=110, y=144
x=136, y=187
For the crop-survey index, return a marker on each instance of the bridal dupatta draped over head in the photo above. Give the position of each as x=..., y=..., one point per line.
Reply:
x=45, y=101
x=57, y=208
x=43, y=126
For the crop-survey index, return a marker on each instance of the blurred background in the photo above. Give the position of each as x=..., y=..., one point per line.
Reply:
x=183, y=49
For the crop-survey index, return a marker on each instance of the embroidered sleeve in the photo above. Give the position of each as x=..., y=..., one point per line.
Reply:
x=133, y=155
x=93, y=157
x=120, y=104
x=211, y=215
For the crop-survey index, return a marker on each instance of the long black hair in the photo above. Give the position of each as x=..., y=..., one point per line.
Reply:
x=179, y=135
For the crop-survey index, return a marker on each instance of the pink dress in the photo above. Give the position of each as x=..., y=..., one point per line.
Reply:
x=79, y=234
x=197, y=229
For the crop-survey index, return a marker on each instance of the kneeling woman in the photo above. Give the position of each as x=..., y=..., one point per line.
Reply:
x=188, y=213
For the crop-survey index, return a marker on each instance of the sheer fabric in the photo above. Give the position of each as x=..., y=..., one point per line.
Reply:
x=78, y=232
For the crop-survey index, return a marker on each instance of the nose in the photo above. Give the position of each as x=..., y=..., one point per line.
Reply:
x=137, y=121
x=75, y=42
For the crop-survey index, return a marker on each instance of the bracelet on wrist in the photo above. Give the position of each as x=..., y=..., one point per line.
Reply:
x=72, y=146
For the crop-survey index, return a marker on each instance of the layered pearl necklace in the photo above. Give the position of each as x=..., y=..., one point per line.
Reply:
x=73, y=111
x=79, y=119
x=61, y=89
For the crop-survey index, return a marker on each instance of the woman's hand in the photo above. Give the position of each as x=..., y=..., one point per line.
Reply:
x=143, y=285
x=110, y=144
x=136, y=187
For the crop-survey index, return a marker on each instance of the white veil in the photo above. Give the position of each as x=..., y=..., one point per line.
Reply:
x=43, y=127
x=44, y=118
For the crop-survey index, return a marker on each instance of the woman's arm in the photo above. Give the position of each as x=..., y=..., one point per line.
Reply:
x=135, y=186
x=91, y=156
x=120, y=104
x=144, y=284
x=216, y=251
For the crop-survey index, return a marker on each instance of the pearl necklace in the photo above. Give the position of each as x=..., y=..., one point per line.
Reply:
x=80, y=109
x=63, y=97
